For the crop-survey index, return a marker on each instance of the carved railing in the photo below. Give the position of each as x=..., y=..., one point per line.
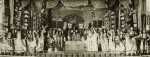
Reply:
x=73, y=54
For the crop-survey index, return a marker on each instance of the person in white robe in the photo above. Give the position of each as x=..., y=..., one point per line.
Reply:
x=92, y=41
x=104, y=41
x=19, y=46
x=111, y=41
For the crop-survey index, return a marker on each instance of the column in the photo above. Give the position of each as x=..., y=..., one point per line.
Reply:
x=139, y=14
x=1, y=15
x=11, y=4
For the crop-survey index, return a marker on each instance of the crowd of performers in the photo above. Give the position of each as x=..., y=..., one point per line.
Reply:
x=95, y=39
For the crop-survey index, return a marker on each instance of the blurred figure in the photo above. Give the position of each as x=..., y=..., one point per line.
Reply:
x=92, y=41
x=19, y=46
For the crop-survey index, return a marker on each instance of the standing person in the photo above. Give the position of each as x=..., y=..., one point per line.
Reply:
x=19, y=46
x=148, y=42
x=111, y=41
x=144, y=41
x=92, y=41
x=40, y=45
x=105, y=41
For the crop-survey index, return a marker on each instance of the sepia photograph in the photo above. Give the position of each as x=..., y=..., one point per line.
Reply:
x=74, y=28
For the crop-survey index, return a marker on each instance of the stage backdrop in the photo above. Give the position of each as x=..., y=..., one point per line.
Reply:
x=85, y=13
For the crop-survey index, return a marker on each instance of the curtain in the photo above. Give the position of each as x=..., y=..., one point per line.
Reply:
x=38, y=3
x=110, y=3
x=37, y=9
x=125, y=3
x=24, y=3
x=75, y=3
x=98, y=3
x=51, y=3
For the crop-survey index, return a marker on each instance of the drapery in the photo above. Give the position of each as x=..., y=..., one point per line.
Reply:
x=37, y=9
x=125, y=3
x=74, y=3
x=98, y=3
x=24, y=3
x=38, y=3
x=110, y=3
x=51, y=3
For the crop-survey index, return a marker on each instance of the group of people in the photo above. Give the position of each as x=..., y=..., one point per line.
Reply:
x=122, y=41
x=95, y=39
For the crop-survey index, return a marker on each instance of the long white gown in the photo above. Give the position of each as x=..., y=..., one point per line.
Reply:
x=19, y=46
x=40, y=44
x=111, y=43
x=130, y=44
x=32, y=45
x=104, y=42
x=92, y=42
x=119, y=47
x=6, y=45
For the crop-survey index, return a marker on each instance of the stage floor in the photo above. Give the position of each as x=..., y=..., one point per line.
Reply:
x=79, y=56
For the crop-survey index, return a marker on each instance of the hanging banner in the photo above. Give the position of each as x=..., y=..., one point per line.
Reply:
x=75, y=3
x=24, y=3
x=51, y=3
x=98, y=3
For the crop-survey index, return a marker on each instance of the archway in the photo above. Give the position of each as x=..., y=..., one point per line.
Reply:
x=74, y=19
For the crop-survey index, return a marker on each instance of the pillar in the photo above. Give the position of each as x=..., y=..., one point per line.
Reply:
x=11, y=4
x=1, y=15
x=139, y=14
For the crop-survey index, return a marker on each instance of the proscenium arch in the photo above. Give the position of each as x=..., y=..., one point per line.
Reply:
x=73, y=18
